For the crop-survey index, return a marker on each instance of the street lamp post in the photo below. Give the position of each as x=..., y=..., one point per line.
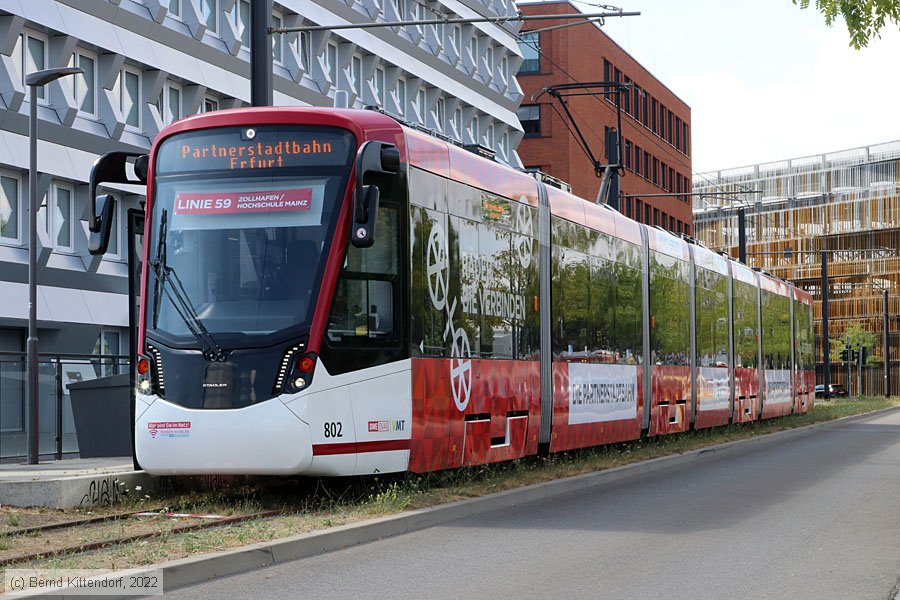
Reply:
x=34, y=81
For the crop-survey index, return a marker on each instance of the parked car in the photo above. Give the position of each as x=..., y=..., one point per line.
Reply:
x=836, y=390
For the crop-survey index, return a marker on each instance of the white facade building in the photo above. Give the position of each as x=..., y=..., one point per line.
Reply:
x=150, y=62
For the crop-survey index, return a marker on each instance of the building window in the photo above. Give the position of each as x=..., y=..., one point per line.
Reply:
x=504, y=69
x=113, y=248
x=655, y=172
x=489, y=137
x=637, y=160
x=420, y=105
x=636, y=102
x=210, y=104
x=277, y=40
x=175, y=8
x=627, y=94
x=472, y=129
x=128, y=89
x=530, y=118
x=240, y=14
x=57, y=212
x=627, y=155
x=9, y=209
x=398, y=9
x=662, y=121
x=172, y=104
x=400, y=92
x=457, y=39
x=379, y=86
x=109, y=344
x=209, y=10
x=86, y=83
x=646, y=165
x=440, y=114
x=418, y=14
x=457, y=123
x=607, y=70
x=331, y=62
x=678, y=133
x=653, y=114
x=355, y=74
x=32, y=59
x=304, y=40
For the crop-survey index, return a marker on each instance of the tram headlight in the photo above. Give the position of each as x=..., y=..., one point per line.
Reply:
x=143, y=369
x=302, y=372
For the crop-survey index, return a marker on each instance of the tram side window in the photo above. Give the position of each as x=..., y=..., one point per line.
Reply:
x=803, y=328
x=746, y=351
x=670, y=333
x=629, y=317
x=571, y=301
x=712, y=318
x=775, y=331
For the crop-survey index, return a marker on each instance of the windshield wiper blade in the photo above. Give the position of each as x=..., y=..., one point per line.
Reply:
x=180, y=300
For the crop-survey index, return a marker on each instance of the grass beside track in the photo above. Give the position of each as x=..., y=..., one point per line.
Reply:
x=315, y=504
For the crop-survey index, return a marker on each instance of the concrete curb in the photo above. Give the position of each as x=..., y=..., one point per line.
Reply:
x=197, y=569
x=83, y=490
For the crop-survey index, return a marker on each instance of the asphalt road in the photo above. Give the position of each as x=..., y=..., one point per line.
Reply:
x=814, y=516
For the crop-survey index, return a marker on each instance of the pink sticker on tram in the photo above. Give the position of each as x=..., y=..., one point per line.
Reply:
x=190, y=203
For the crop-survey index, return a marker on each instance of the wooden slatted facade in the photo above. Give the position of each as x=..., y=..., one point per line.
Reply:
x=846, y=204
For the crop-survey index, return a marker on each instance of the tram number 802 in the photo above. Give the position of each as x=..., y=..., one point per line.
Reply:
x=334, y=429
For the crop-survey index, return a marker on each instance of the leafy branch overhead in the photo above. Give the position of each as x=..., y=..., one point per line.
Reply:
x=864, y=18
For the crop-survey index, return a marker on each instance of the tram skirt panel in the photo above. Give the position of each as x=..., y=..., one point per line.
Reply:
x=473, y=411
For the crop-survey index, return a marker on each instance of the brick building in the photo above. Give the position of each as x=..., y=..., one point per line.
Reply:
x=656, y=124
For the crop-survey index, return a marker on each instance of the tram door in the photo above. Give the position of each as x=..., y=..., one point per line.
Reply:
x=135, y=252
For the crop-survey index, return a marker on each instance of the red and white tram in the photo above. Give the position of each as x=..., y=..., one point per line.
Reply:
x=329, y=292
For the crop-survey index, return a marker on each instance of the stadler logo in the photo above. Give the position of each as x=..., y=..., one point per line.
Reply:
x=215, y=385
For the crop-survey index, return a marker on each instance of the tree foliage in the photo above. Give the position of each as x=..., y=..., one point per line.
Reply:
x=864, y=18
x=854, y=338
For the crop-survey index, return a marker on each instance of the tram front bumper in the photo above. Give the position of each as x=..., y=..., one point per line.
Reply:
x=263, y=439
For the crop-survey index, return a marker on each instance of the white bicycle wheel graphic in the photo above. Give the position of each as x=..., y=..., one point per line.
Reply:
x=460, y=369
x=438, y=268
x=524, y=227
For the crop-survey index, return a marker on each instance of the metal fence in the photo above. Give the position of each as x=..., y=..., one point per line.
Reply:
x=56, y=423
x=868, y=381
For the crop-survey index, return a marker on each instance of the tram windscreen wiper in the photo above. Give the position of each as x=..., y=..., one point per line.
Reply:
x=179, y=298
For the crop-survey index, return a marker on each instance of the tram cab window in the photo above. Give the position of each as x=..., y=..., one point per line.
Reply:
x=364, y=325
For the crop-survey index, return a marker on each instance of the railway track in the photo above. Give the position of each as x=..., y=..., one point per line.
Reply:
x=149, y=525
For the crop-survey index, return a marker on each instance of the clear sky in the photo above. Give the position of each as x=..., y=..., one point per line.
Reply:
x=765, y=80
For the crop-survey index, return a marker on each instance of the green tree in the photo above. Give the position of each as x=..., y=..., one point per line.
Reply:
x=854, y=338
x=864, y=18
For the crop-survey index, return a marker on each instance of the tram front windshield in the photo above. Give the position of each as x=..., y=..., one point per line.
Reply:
x=242, y=224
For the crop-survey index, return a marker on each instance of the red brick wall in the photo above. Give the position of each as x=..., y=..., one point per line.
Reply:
x=576, y=54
